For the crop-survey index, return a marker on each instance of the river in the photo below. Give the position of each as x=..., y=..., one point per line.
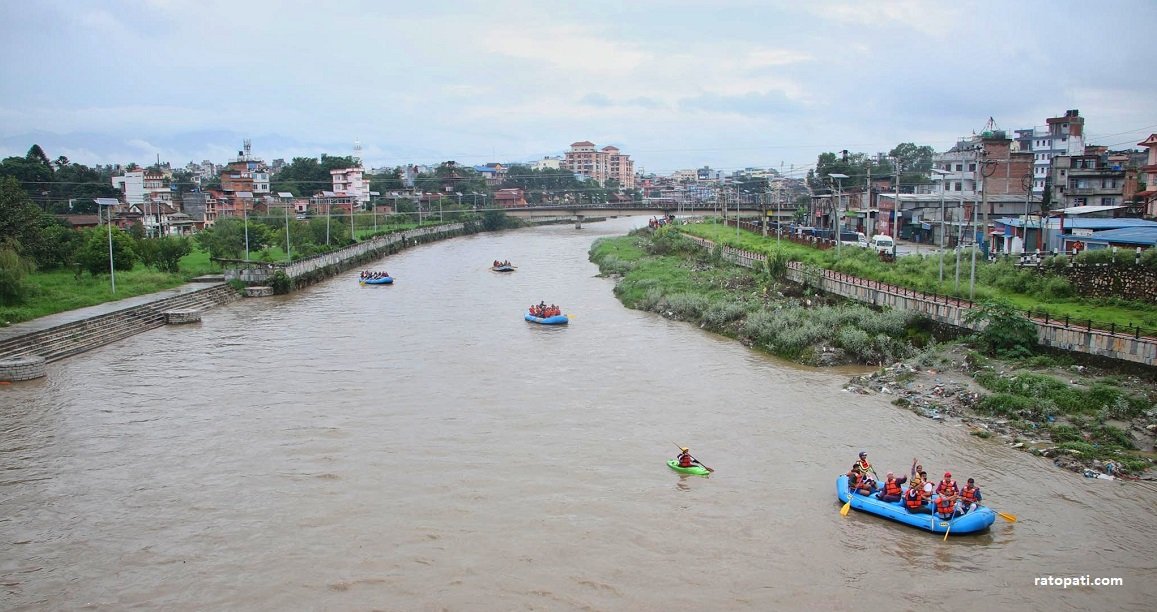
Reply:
x=421, y=447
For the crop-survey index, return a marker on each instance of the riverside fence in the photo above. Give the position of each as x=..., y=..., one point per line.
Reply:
x=1127, y=344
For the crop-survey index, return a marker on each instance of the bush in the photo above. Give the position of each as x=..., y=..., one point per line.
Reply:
x=14, y=269
x=1149, y=258
x=719, y=315
x=1004, y=331
x=281, y=282
x=1064, y=433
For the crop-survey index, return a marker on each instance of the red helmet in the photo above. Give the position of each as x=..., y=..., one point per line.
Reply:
x=948, y=474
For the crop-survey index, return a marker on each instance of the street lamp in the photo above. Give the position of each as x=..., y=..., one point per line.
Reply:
x=286, y=200
x=940, y=176
x=836, y=207
x=374, y=206
x=110, y=202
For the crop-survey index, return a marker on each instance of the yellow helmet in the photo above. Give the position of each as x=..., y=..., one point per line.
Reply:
x=684, y=449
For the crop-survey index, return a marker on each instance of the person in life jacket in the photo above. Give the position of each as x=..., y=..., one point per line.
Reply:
x=969, y=497
x=861, y=465
x=947, y=486
x=685, y=458
x=946, y=506
x=892, y=491
x=914, y=500
x=860, y=483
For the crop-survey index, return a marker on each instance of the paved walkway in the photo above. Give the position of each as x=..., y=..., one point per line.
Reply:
x=21, y=329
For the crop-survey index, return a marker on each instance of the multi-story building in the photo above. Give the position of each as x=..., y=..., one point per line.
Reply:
x=1148, y=196
x=958, y=165
x=494, y=173
x=547, y=163
x=1086, y=180
x=600, y=164
x=351, y=183
x=1064, y=135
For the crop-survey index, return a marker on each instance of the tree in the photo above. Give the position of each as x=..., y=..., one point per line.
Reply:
x=13, y=270
x=20, y=219
x=93, y=256
x=33, y=176
x=169, y=251
x=79, y=185
x=1004, y=332
x=915, y=163
x=225, y=240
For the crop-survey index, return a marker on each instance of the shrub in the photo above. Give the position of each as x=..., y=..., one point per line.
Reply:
x=1004, y=404
x=685, y=306
x=1004, y=331
x=719, y=315
x=1064, y=433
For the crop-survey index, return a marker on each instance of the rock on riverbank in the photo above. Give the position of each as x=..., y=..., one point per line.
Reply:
x=947, y=391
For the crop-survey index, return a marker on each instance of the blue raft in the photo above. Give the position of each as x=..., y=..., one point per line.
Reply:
x=384, y=280
x=555, y=320
x=502, y=268
x=976, y=521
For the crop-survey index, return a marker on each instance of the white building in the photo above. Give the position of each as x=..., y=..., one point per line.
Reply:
x=1064, y=135
x=959, y=167
x=351, y=183
x=552, y=163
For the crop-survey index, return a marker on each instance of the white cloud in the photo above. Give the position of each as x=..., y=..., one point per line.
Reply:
x=742, y=83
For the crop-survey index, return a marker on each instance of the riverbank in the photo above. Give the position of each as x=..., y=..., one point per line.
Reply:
x=1098, y=418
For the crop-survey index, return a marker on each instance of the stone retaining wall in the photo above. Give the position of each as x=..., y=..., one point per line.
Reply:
x=21, y=368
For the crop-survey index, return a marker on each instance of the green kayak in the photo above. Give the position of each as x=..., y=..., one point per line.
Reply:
x=695, y=469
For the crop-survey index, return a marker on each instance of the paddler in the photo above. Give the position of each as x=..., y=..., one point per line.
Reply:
x=685, y=458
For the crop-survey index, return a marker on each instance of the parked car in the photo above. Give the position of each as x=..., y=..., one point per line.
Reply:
x=884, y=244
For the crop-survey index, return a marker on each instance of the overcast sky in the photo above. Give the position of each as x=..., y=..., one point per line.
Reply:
x=675, y=84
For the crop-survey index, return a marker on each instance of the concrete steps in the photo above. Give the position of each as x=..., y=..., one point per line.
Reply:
x=85, y=334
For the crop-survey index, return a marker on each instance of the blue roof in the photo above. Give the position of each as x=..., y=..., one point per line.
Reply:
x=1082, y=223
x=1140, y=236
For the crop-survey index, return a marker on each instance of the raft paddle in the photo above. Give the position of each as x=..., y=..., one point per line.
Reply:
x=1008, y=517
x=847, y=506
x=951, y=520
x=692, y=456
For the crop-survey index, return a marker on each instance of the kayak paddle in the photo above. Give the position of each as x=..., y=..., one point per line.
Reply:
x=693, y=457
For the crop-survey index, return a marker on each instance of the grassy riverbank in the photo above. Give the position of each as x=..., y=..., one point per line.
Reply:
x=62, y=290
x=1084, y=416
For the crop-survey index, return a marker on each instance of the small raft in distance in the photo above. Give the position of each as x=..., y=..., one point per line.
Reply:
x=559, y=319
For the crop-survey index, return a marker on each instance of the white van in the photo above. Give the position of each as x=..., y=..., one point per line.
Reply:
x=883, y=244
x=856, y=239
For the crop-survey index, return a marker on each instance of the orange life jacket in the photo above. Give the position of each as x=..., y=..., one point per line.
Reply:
x=862, y=466
x=891, y=488
x=969, y=494
x=913, y=498
x=944, y=505
x=685, y=460
x=947, y=489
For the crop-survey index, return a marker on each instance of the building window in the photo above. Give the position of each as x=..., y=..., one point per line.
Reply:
x=959, y=167
x=972, y=167
x=1108, y=201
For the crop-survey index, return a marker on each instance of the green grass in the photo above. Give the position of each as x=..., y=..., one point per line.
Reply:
x=1024, y=289
x=63, y=290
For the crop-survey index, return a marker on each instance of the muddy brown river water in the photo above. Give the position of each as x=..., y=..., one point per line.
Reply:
x=420, y=447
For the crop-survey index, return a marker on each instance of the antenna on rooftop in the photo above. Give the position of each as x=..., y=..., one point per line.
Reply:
x=248, y=148
x=357, y=152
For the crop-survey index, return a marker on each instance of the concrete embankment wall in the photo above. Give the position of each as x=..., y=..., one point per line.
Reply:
x=951, y=311
x=25, y=347
x=307, y=271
